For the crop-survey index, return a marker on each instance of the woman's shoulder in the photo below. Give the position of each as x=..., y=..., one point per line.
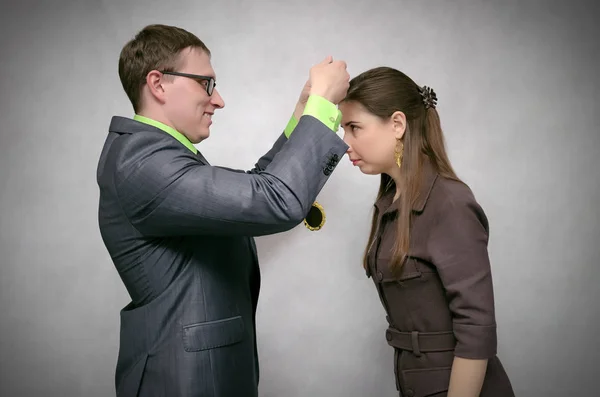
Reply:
x=456, y=199
x=450, y=191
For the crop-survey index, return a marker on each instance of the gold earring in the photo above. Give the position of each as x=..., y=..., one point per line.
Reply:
x=398, y=153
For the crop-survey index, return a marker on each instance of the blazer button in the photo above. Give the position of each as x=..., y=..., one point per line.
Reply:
x=410, y=392
x=388, y=335
x=326, y=171
x=336, y=157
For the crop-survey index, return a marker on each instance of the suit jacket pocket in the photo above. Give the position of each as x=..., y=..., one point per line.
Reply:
x=426, y=382
x=213, y=334
x=384, y=275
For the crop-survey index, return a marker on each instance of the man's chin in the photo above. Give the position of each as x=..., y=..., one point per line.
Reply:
x=200, y=137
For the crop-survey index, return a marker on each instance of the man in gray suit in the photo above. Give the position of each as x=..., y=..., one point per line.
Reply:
x=179, y=230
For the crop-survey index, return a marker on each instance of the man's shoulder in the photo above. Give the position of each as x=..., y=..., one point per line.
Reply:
x=134, y=144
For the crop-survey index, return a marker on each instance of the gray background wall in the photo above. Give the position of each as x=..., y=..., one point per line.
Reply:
x=519, y=104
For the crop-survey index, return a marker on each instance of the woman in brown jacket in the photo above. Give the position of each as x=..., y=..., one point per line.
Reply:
x=427, y=250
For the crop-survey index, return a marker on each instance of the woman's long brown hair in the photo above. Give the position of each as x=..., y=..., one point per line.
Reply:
x=383, y=91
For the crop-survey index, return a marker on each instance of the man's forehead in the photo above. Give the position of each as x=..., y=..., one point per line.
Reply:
x=197, y=61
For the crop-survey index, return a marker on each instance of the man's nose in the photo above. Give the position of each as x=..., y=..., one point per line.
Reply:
x=217, y=100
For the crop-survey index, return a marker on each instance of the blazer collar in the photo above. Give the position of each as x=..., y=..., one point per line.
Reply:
x=385, y=205
x=124, y=125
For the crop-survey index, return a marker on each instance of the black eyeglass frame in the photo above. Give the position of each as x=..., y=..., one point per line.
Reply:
x=211, y=81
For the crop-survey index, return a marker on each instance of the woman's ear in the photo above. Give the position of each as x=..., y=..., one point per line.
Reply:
x=398, y=120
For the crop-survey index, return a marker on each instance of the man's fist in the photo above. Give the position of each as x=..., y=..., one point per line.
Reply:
x=329, y=79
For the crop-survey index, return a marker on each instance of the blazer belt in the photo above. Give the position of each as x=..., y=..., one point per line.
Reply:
x=421, y=342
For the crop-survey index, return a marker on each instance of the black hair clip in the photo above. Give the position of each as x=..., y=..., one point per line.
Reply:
x=429, y=97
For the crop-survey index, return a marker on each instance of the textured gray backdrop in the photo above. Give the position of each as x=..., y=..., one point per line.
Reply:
x=519, y=104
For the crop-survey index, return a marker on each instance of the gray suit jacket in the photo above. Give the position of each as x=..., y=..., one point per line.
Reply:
x=179, y=232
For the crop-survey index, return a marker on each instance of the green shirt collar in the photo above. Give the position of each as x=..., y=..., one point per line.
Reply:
x=169, y=130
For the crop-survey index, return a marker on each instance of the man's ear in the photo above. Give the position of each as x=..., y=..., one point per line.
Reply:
x=155, y=83
x=398, y=120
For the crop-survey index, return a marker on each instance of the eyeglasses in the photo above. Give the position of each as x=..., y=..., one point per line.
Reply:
x=198, y=78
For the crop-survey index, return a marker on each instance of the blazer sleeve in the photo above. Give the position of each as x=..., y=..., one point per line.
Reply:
x=168, y=192
x=265, y=160
x=459, y=252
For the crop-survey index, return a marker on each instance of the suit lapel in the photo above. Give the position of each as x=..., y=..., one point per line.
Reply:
x=253, y=246
x=202, y=158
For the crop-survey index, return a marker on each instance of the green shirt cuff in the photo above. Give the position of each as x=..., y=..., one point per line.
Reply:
x=321, y=109
x=290, y=126
x=324, y=111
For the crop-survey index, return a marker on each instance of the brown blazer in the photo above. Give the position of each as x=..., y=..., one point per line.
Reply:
x=442, y=304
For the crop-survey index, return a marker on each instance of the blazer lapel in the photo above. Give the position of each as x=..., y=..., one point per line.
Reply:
x=202, y=158
x=253, y=246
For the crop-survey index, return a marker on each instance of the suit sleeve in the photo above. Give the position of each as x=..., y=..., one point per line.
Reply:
x=265, y=160
x=168, y=192
x=459, y=252
x=317, y=107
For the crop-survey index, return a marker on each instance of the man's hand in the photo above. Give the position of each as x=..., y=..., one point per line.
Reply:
x=305, y=93
x=302, y=100
x=329, y=79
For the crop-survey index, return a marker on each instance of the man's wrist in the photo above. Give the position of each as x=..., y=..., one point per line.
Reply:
x=317, y=107
x=324, y=111
x=299, y=110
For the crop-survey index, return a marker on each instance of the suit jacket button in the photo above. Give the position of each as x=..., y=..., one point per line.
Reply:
x=388, y=335
x=336, y=157
x=410, y=392
x=327, y=172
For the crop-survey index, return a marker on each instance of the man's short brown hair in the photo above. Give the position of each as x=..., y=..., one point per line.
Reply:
x=156, y=47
